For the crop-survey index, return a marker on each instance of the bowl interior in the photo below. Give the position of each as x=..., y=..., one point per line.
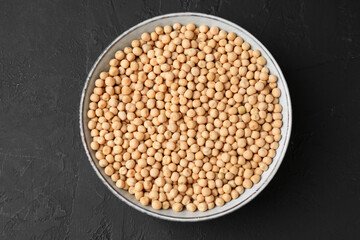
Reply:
x=148, y=26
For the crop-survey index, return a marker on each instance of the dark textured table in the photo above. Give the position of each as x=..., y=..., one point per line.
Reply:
x=48, y=189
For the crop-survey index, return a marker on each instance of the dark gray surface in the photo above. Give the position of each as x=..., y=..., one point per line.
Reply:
x=48, y=189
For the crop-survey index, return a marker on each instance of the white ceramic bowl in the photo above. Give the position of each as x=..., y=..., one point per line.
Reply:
x=124, y=40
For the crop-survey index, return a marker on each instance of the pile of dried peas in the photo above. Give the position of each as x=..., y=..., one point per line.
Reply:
x=186, y=117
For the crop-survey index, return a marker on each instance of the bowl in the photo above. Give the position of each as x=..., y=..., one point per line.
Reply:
x=124, y=40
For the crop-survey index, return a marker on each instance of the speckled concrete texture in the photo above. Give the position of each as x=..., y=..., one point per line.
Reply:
x=48, y=189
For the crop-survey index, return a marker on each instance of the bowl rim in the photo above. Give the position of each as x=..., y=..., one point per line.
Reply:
x=158, y=214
